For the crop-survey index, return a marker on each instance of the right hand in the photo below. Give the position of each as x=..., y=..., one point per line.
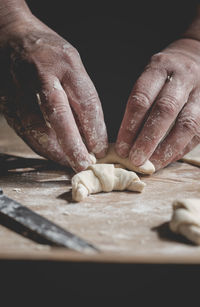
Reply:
x=47, y=95
x=162, y=118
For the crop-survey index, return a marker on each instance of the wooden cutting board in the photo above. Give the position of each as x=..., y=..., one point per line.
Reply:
x=126, y=226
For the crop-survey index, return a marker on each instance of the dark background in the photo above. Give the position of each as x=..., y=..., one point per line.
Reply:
x=83, y=284
x=116, y=40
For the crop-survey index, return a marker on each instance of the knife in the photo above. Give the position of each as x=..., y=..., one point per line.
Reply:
x=34, y=226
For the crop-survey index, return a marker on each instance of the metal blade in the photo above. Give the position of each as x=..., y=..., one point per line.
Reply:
x=32, y=225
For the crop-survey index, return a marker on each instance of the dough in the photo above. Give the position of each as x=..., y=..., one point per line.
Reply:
x=186, y=219
x=111, y=157
x=104, y=178
x=193, y=157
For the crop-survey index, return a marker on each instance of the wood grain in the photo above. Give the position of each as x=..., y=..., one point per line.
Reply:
x=126, y=226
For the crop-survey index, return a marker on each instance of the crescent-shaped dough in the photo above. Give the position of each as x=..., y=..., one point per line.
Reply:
x=111, y=157
x=104, y=178
x=186, y=219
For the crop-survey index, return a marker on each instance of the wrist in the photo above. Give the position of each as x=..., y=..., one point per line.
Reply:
x=186, y=45
x=13, y=11
x=193, y=32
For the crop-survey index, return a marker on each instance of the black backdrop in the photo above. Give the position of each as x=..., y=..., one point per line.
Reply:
x=115, y=40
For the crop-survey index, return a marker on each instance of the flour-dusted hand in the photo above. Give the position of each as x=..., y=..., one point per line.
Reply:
x=166, y=94
x=46, y=93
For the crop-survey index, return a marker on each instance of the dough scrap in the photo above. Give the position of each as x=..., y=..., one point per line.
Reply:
x=193, y=157
x=104, y=178
x=111, y=157
x=186, y=219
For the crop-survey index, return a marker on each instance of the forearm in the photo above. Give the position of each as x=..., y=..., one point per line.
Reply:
x=193, y=31
x=11, y=10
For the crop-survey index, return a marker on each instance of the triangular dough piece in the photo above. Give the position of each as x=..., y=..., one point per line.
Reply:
x=193, y=157
x=111, y=157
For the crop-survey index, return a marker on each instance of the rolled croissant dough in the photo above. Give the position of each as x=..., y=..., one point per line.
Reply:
x=186, y=213
x=186, y=219
x=106, y=177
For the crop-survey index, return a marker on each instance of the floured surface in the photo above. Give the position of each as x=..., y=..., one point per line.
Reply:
x=125, y=226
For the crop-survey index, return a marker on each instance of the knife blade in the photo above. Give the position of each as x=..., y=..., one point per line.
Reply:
x=36, y=227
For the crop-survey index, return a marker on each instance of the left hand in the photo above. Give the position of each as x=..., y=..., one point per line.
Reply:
x=47, y=96
x=166, y=96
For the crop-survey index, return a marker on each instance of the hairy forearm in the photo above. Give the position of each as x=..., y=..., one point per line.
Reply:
x=194, y=29
x=11, y=10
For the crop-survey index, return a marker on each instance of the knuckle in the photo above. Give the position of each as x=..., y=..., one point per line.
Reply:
x=91, y=100
x=58, y=109
x=190, y=123
x=191, y=67
x=87, y=101
x=155, y=70
x=72, y=53
x=159, y=58
x=167, y=105
x=139, y=101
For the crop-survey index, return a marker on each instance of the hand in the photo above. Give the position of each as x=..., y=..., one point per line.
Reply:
x=162, y=117
x=47, y=95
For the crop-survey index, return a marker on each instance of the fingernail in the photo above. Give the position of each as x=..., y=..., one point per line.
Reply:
x=137, y=157
x=82, y=165
x=157, y=164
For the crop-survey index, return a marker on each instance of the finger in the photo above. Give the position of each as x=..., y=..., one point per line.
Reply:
x=85, y=102
x=167, y=106
x=30, y=125
x=56, y=110
x=24, y=114
x=142, y=97
x=193, y=143
x=187, y=126
x=39, y=140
